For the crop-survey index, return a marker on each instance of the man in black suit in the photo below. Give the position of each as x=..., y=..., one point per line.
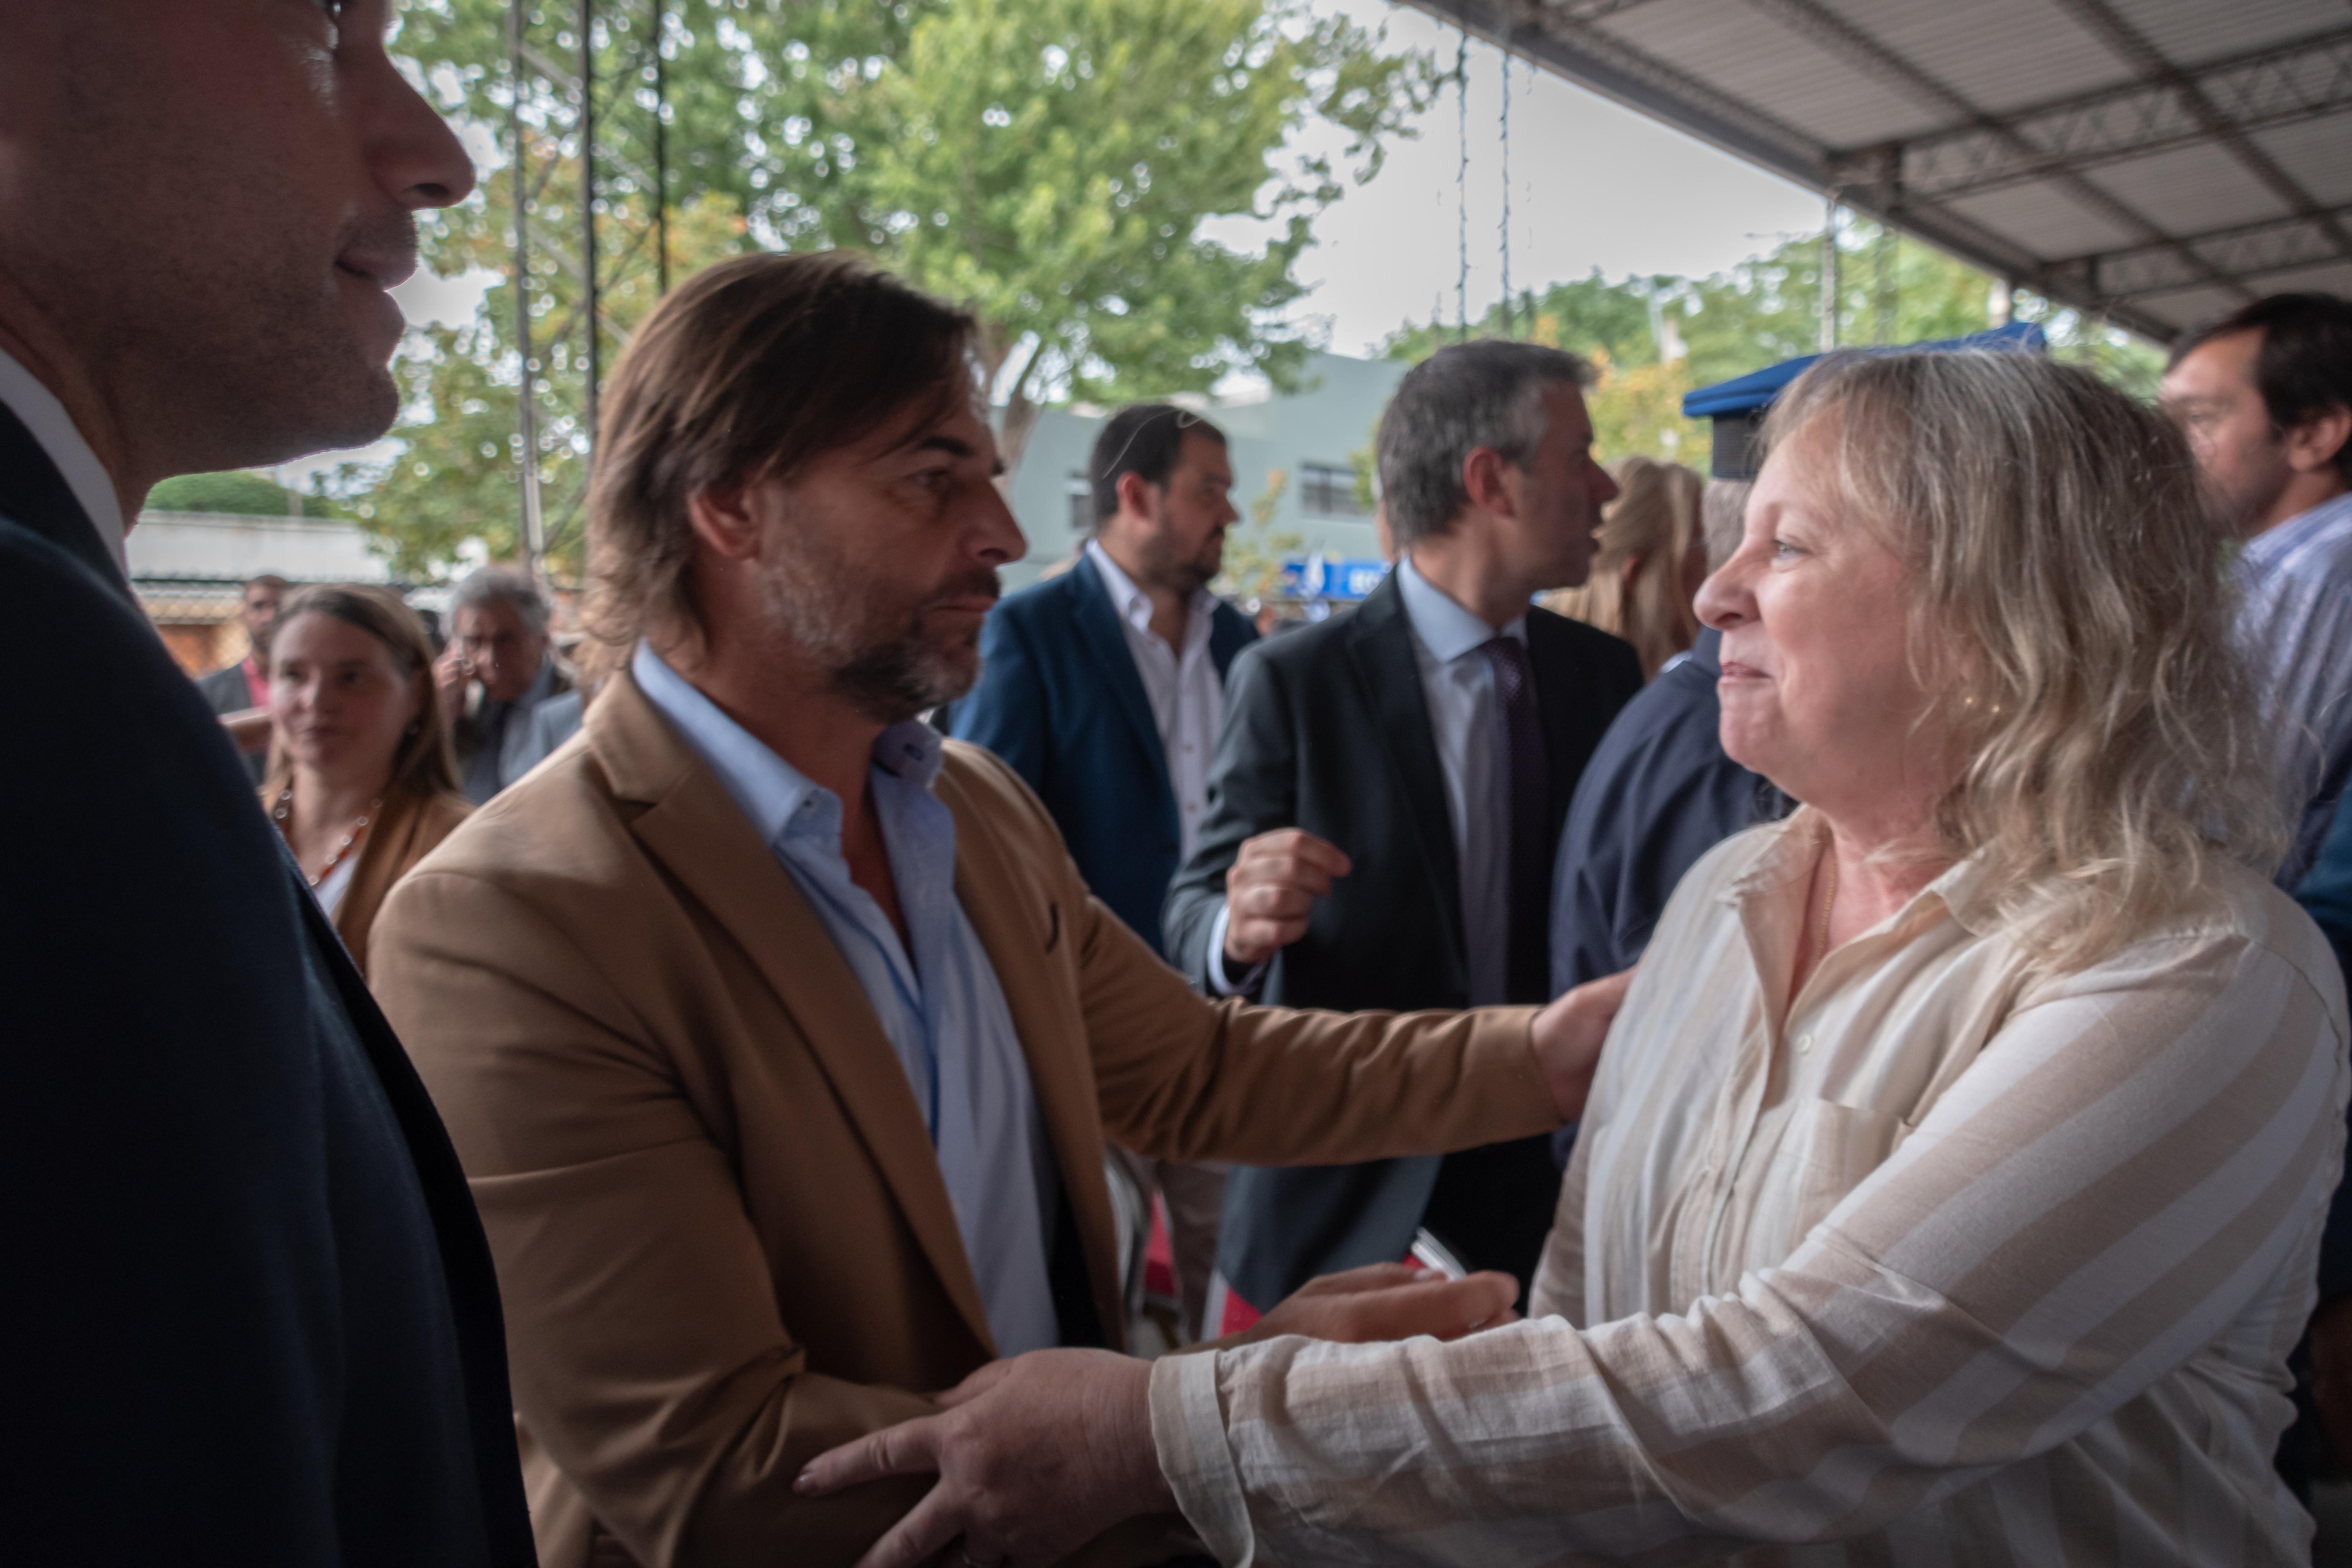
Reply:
x=254, y=1317
x=239, y=692
x=1387, y=789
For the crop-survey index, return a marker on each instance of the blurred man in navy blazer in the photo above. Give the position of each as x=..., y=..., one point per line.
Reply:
x=252, y=1313
x=1104, y=688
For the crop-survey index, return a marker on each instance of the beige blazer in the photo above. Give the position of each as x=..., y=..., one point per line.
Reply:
x=722, y=1240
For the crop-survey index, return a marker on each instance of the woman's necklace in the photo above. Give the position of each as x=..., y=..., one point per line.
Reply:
x=285, y=809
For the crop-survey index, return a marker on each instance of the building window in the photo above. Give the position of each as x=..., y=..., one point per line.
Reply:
x=1326, y=491
x=1082, y=504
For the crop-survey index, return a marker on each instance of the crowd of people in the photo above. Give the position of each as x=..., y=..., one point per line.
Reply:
x=1796, y=1015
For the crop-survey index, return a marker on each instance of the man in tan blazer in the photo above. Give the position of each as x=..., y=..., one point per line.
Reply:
x=779, y=1038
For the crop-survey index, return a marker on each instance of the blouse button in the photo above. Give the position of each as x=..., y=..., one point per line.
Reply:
x=1804, y=1043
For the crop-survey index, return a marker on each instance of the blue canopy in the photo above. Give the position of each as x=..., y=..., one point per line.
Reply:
x=1754, y=392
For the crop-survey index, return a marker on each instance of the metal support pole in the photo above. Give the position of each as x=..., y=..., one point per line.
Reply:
x=1504, y=228
x=1829, y=276
x=534, y=535
x=588, y=306
x=661, y=148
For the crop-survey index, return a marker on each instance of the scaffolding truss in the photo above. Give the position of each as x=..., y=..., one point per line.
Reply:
x=2167, y=176
x=589, y=186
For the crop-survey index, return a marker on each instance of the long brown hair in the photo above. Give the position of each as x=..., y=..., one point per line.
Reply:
x=1654, y=521
x=746, y=372
x=423, y=763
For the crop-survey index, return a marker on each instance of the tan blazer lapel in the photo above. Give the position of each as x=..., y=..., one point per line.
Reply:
x=695, y=829
x=1022, y=950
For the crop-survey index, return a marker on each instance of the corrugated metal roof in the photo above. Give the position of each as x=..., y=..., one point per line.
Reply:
x=2151, y=159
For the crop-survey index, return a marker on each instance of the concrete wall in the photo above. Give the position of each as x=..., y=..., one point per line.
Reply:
x=1332, y=417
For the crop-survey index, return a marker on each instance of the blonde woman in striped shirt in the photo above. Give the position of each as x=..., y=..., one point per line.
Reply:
x=1951, y=1185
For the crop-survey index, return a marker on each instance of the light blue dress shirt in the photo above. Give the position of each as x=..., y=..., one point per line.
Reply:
x=2295, y=625
x=1465, y=717
x=943, y=1012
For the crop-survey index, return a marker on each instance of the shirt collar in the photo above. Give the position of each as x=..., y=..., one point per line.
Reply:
x=1133, y=605
x=2273, y=543
x=1445, y=628
x=769, y=789
x=1793, y=846
x=58, y=436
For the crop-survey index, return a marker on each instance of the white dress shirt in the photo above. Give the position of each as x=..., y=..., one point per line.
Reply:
x=54, y=430
x=1187, y=694
x=941, y=1007
x=330, y=891
x=1465, y=717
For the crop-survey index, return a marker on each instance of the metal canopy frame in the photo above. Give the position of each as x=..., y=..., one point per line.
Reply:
x=1915, y=181
x=616, y=85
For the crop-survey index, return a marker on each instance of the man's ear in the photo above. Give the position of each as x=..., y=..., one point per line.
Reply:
x=2318, y=441
x=1137, y=494
x=725, y=518
x=1483, y=480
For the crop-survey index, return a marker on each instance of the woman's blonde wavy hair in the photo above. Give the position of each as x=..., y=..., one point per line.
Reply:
x=2073, y=620
x=1654, y=521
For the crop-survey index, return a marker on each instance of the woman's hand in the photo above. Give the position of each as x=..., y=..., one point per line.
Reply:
x=1386, y=1301
x=1035, y=1456
x=1567, y=1036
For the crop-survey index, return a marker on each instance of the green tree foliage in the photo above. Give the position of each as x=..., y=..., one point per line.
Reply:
x=1049, y=165
x=1252, y=569
x=241, y=492
x=1653, y=339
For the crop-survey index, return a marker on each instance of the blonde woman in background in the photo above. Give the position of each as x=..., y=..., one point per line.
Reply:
x=362, y=780
x=1650, y=560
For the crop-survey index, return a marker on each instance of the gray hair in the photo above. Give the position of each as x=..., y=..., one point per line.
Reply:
x=1463, y=398
x=1723, y=518
x=492, y=584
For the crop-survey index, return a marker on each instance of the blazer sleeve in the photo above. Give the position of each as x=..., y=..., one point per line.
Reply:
x=1253, y=789
x=610, y=1206
x=2326, y=894
x=1005, y=711
x=167, y=1231
x=1181, y=1078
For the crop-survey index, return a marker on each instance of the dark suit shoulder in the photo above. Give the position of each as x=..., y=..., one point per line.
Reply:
x=1306, y=647
x=1053, y=596
x=227, y=689
x=1589, y=645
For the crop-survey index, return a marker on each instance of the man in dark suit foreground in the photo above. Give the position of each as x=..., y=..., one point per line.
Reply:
x=1104, y=687
x=1387, y=791
x=254, y=1314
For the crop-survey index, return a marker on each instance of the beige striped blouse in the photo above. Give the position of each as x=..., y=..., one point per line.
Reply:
x=1944, y=1261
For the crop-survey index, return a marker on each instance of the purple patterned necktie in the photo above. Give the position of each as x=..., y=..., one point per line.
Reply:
x=1527, y=966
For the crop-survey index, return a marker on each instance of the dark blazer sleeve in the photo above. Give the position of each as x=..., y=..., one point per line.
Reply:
x=2326, y=892
x=1005, y=711
x=229, y=1314
x=1253, y=789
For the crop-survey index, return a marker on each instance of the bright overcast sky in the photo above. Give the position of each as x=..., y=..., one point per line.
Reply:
x=1591, y=184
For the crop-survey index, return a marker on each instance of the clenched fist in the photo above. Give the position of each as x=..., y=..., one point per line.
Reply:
x=1272, y=890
